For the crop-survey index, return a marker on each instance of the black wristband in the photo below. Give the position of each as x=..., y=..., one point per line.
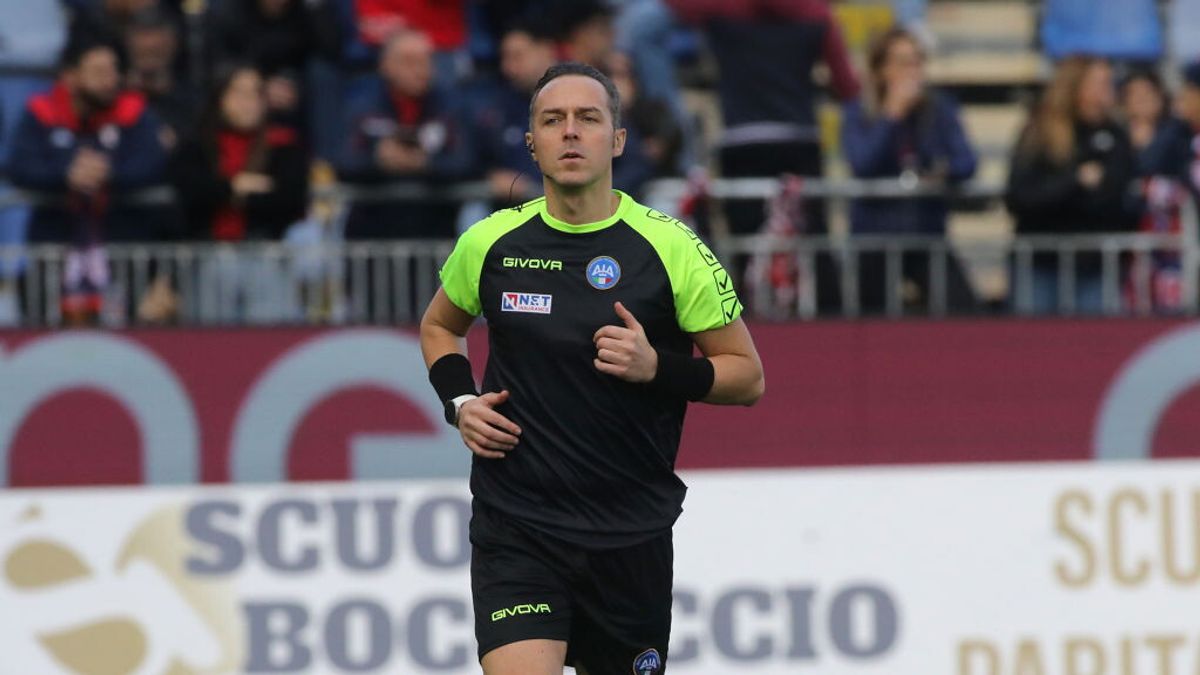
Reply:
x=451, y=376
x=684, y=375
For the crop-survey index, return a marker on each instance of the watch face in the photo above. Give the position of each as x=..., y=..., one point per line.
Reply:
x=451, y=413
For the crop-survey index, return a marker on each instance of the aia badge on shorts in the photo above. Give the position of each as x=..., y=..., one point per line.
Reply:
x=603, y=273
x=647, y=663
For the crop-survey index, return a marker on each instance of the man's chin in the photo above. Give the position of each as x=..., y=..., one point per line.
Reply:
x=573, y=181
x=100, y=102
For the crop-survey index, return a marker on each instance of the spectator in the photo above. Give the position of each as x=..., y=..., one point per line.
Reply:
x=404, y=128
x=152, y=43
x=766, y=53
x=903, y=129
x=652, y=141
x=1170, y=171
x=1070, y=174
x=240, y=177
x=85, y=144
x=1124, y=30
x=280, y=38
x=586, y=31
x=1144, y=106
x=104, y=20
x=31, y=37
x=502, y=120
x=444, y=21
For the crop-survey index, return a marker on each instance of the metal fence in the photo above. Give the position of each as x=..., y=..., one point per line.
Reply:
x=779, y=277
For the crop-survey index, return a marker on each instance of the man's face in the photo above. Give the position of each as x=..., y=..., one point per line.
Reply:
x=96, y=80
x=407, y=64
x=151, y=52
x=523, y=59
x=572, y=133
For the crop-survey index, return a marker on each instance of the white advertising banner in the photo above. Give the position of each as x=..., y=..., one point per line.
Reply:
x=1068, y=569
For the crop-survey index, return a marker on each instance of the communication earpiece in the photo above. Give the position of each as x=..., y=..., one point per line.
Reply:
x=529, y=147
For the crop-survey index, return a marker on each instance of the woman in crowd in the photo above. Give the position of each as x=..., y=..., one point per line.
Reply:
x=904, y=129
x=1070, y=174
x=240, y=178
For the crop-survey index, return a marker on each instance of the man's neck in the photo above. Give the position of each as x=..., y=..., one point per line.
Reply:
x=589, y=205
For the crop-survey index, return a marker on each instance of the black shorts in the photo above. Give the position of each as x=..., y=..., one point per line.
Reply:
x=612, y=607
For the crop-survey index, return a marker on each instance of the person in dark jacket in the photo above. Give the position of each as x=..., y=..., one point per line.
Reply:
x=501, y=118
x=83, y=147
x=404, y=129
x=281, y=38
x=1070, y=174
x=903, y=129
x=240, y=178
x=1169, y=173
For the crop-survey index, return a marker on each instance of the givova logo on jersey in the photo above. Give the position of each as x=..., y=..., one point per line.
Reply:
x=99, y=604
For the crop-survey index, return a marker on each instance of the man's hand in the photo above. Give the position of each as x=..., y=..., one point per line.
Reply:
x=486, y=432
x=396, y=157
x=246, y=183
x=88, y=171
x=625, y=352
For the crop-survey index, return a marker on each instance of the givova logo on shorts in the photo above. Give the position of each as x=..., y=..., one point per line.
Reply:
x=515, y=610
x=647, y=663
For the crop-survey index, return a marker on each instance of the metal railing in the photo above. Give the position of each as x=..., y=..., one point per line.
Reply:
x=392, y=282
x=778, y=277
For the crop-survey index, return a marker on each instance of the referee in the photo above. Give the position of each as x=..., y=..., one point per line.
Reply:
x=593, y=303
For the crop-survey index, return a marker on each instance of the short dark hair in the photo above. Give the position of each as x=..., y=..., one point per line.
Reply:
x=575, y=68
x=79, y=47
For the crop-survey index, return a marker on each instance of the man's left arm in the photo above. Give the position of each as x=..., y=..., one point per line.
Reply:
x=737, y=374
x=737, y=370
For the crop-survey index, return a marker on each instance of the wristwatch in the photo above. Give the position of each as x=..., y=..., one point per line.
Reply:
x=454, y=405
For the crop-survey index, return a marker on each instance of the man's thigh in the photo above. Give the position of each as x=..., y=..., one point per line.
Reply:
x=526, y=657
x=622, y=613
x=518, y=591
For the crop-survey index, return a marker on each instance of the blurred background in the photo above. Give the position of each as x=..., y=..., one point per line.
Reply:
x=964, y=232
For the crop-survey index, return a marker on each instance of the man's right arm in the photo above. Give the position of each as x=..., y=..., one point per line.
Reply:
x=484, y=431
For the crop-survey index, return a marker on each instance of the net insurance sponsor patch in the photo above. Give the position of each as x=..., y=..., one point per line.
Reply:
x=529, y=303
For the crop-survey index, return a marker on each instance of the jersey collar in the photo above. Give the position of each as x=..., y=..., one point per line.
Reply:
x=562, y=226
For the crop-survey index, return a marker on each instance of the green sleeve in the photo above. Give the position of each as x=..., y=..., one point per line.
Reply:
x=461, y=271
x=704, y=295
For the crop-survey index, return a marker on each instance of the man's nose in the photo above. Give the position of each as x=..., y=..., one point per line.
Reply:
x=571, y=128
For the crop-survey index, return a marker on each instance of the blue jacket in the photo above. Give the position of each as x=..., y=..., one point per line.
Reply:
x=47, y=138
x=931, y=138
x=439, y=123
x=500, y=121
x=441, y=126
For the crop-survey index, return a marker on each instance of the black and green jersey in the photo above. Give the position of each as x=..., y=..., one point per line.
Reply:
x=596, y=458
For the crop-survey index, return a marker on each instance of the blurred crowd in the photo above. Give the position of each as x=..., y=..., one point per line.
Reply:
x=246, y=109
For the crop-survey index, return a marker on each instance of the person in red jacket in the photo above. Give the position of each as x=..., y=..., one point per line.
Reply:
x=240, y=178
x=444, y=21
x=83, y=147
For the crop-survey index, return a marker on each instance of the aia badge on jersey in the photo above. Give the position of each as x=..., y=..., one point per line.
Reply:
x=603, y=273
x=647, y=663
x=528, y=303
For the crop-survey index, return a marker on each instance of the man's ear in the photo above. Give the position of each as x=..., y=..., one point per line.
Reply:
x=619, y=142
x=529, y=145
